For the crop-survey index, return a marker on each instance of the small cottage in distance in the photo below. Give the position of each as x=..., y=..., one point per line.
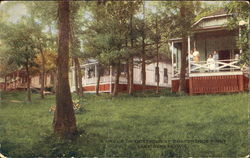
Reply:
x=17, y=80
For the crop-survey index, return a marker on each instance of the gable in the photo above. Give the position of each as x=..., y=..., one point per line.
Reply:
x=211, y=22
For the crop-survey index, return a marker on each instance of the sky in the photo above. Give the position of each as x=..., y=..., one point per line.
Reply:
x=15, y=12
x=19, y=10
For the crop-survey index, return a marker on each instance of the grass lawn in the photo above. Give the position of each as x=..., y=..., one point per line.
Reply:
x=145, y=125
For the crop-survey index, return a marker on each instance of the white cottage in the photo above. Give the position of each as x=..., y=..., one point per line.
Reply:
x=107, y=80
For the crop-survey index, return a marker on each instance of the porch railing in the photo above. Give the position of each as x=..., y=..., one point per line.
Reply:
x=216, y=66
x=230, y=65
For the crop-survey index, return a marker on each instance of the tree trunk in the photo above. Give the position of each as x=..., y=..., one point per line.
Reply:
x=157, y=68
x=143, y=73
x=99, y=72
x=54, y=80
x=28, y=82
x=128, y=75
x=42, y=74
x=5, y=83
x=79, y=75
x=117, y=76
x=184, y=53
x=143, y=66
x=131, y=76
x=157, y=60
x=182, y=85
x=76, y=76
x=64, y=123
x=131, y=60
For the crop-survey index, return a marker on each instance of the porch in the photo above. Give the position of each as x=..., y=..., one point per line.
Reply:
x=15, y=80
x=219, y=76
x=89, y=77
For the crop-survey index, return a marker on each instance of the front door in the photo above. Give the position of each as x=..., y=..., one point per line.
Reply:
x=224, y=55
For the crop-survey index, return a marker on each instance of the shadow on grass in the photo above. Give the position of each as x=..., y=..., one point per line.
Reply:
x=83, y=144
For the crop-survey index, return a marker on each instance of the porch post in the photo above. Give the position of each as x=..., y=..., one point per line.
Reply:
x=73, y=79
x=86, y=74
x=95, y=76
x=95, y=71
x=240, y=38
x=189, y=55
x=172, y=55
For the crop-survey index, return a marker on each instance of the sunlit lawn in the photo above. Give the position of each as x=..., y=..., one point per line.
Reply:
x=205, y=125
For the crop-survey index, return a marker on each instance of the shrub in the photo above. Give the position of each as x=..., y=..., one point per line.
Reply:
x=78, y=108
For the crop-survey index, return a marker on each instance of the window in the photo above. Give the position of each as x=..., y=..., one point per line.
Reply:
x=91, y=72
x=123, y=70
x=106, y=71
x=45, y=79
x=83, y=72
x=40, y=79
x=165, y=75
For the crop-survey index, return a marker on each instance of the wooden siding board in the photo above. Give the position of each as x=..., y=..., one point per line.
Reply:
x=217, y=84
x=214, y=84
x=175, y=85
x=121, y=87
x=246, y=82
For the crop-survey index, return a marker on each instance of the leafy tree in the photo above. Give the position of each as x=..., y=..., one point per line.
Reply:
x=40, y=40
x=5, y=66
x=159, y=35
x=107, y=36
x=46, y=41
x=21, y=47
x=240, y=19
x=181, y=16
x=49, y=63
x=93, y=44
x=75, y=48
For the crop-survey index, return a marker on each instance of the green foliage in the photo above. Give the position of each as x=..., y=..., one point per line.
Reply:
x=21, y=41
x=107, y=34
x=46, y=12
x=77, y=106
x=240, y=12
x=145, y=117
x=5, y=66
x=76, y=32
x=25, y=39
x=180, y=25
x=207, y=9
x=45, y=16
